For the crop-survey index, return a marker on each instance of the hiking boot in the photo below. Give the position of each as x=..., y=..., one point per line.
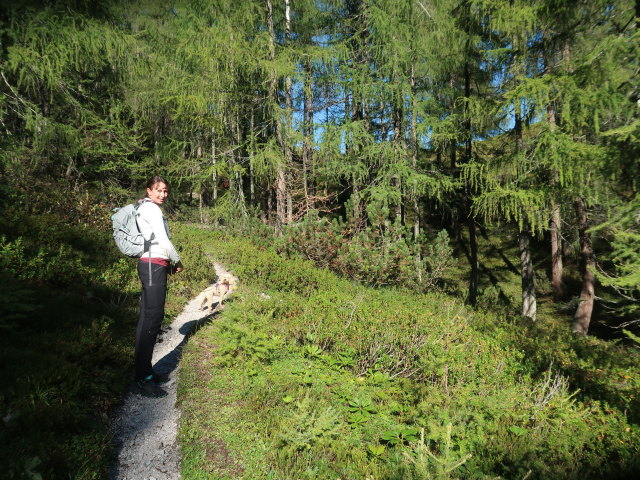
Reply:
x=149, y=388
x=160, y=377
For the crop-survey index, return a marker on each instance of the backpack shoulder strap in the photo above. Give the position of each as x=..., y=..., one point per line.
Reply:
x=147, y=243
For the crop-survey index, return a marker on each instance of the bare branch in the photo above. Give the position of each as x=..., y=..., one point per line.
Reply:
x=424, y=9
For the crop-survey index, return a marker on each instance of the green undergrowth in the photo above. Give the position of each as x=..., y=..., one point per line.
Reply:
x=306, y=375
x=68, y=313
x=198, y=272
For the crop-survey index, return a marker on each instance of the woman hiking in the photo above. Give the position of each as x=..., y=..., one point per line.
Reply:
x=159, y=260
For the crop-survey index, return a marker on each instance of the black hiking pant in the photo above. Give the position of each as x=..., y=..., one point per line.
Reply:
x=154, y=292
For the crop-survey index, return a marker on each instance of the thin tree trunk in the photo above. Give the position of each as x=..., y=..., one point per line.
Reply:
x=356, y=200
x=396, y=180
x=281, y=184
x=527, y=274
x=359, y=105
x=414, y=154
x=288, y=154
x=397, y=208
x=270, y=209
x=529, y=304
x=471, y=224
x=252, y=151
x=157, y=134
x=307, y=152
x=281, y=190
x=265, y=202
x=201, y=205
x=473, y=259
x=557, y=284
x=238, y=177
x=582, y=317
x=289, y=200
x=214, y=175
x=455, y=224
x=555, y=222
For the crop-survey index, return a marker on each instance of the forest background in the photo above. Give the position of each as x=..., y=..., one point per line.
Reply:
x=414, y=144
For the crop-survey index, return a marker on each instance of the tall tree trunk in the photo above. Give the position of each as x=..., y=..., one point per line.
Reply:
x=473, y=259
x=241, y=152
x=471, y=223
x=414, y=153
x=214, y=174
x=557, y=284
x=555, y=222
x=288, y=154
x=355, y=196
x=281, y=183
x=252, y=151
x=307, y=151
x=529, y=304
x=456, y=229
x=356, y=13
x=582, y=317
x=398, y=137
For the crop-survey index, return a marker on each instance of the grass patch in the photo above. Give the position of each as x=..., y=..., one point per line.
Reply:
x=306, y=375
x=68, y=311
x=68, y=314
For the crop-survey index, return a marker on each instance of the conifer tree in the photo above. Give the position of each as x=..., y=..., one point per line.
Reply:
x=504, y=187
x=61, y=108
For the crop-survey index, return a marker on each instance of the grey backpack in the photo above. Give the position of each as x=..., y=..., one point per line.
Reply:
x=126, y=232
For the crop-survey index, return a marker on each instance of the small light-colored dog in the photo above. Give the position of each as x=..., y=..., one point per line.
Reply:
x=221, y=289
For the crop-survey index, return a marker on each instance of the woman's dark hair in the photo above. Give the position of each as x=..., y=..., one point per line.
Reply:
x=154, y=180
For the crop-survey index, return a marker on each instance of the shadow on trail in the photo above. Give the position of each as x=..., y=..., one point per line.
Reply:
x=144, y=430
x=169, y=362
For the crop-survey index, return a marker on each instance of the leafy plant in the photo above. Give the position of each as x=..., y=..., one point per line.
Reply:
x=376, y=450
x=363, y=407
x=399, y=435
x=311, y=351
x=308, y=426
x=246, y=344
x=440, y=465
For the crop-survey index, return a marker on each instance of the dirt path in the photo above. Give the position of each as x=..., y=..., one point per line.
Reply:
x=144, y=429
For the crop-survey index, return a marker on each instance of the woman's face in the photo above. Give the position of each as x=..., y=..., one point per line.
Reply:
x=158, y=193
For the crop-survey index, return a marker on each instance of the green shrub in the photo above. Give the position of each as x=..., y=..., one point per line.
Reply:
x=343, y=381
x=371, y=256
x=61, y=266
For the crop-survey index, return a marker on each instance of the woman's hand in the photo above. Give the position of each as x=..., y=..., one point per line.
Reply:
x=177, y=268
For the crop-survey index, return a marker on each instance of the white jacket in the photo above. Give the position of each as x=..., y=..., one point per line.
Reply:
x=151, y=222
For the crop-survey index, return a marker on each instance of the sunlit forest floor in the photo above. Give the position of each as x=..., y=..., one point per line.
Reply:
x=306, y=374
x=331, y=380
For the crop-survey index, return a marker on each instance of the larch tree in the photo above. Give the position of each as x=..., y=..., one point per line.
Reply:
x=506, y=183
x=62, y=109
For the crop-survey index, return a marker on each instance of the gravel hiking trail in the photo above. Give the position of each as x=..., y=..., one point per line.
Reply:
x=145, y=430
